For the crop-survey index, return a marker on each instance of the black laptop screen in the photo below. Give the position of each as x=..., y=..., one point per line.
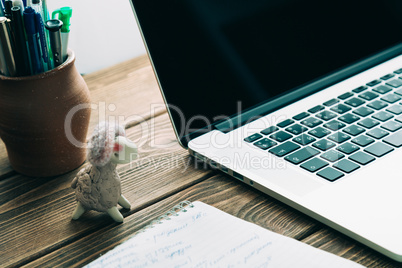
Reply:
x=214, y=57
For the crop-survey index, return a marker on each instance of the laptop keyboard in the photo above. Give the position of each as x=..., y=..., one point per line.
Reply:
x=342, y=134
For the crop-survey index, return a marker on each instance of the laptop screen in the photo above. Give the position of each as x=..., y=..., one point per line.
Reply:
x=215, y=58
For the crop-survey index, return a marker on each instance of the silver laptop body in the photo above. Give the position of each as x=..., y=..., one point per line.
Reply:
x=318, y=124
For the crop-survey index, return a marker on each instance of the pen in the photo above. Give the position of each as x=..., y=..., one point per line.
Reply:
x=40, y=7
x=21, y=52
x=37, y=6
x=8, y=4
x=45, y=11
x=46, y=18
x=54, y=27
x=43, y=44
x=64, y=14
x=19, y=3
x=7, y=56
x=1, y=9
x=33, y=40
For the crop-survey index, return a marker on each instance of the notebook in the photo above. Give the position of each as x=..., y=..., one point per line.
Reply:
x=198, y=235
x=300, y=99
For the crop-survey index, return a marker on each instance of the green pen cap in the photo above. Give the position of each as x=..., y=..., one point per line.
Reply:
x=63, y=14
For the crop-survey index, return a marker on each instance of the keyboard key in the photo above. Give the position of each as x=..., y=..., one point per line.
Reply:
x=332, y=156
x=368, y=95
x=395, y=109
x=330, y=174
x=373, y=83
x=311, y=122
x=349, y=118
x=348, y=148
x=334, y=125
x=394, y=139
x=319, y=132
x=253, y=137
x=363, y=111
x=383, y=116
x=391, y=98
x=330, y=102
x=265, y=143
x=399, y=119
x=345, y=96
x=346, y=166
x=378, y=149
x=377, y=133
x=285, y=123
x=281, y=136
x=392, y=126
x=395, y=83
x=355, y=102
x=398, y=91
x=314, y=164
x=386, y=77
x=284, y=148
x=324, y=144
x=269, y=130
x=296, y=129
x=363, y=140
x=302, y=155
x=377, y=104
x=362, y=158
x=353, y=130
x=382, y=89
x=399, y=71
x=359, y=89
x=300, y=116
x=326, y=115
x=304, y=139
x=368, y=123
x=338, y=137
x=340, y=108
x=316, y=109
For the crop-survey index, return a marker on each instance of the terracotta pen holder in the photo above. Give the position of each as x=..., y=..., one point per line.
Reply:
x=44, y=120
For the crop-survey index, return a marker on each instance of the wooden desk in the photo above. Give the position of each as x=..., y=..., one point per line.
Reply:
x=35, y=225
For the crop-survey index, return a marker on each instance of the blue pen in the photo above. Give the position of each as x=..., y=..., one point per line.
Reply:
x=33, y=39
x=43, y=44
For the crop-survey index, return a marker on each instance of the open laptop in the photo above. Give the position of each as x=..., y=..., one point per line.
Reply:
x=299, y=99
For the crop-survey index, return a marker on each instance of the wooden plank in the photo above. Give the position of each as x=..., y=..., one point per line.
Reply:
x=118, y=71
x=219, y=191
x=36, y=212
x=341, y=245
x=126, y=93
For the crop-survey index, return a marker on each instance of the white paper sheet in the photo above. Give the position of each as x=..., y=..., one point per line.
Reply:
x=204, y=236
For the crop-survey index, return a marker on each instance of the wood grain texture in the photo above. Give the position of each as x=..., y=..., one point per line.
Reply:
x=219, y=191
x=36, y=212
x=127, y=93
x=341, y=245
x=35, y=225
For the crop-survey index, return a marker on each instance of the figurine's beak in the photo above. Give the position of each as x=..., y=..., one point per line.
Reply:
x=125, y=152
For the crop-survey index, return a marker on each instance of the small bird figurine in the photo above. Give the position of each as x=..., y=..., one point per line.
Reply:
x=97, y=186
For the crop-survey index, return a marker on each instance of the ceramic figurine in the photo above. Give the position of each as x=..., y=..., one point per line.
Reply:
x=97, y=186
